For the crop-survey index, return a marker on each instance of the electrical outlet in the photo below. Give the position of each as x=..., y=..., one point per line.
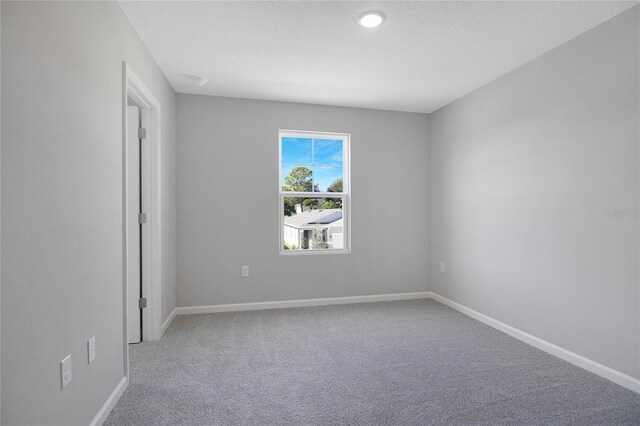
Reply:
x=245, y=271
x=91, y=349
x=65, y=371
x=441, y=266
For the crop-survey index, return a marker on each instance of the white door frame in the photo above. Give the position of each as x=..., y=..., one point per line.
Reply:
x=151, y=202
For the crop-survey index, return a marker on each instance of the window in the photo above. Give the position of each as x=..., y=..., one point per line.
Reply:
x=314, y=192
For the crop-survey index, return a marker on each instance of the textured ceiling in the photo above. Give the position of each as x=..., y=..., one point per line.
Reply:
x=425, y=55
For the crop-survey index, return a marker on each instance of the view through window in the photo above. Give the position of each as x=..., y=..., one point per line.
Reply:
x=314, y=192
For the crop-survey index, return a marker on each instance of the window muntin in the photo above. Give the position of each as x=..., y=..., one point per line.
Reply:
x=314, y=192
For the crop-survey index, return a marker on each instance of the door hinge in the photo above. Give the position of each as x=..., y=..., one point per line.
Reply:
x=142, y=218
x=142, y=133
x=142, y=302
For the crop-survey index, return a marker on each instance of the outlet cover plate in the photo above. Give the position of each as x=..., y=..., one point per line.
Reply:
x=65, y=371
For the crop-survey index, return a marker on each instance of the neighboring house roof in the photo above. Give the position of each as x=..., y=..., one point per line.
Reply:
x=313, y=217
x=338, y=222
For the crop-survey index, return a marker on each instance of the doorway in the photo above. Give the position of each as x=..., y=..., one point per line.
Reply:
x=135, y=221
x=142, y=223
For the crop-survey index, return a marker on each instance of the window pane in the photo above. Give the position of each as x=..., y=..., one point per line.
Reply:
x=328, y=152
x=297, y=164
x=328, y=179
x=313, y=223
x=328, y=167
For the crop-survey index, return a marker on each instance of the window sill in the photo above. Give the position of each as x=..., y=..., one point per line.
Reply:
x=313, y=252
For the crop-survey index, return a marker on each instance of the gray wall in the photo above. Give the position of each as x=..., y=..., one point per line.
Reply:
x=522, y=173
x=62, y=277
x=228, y=212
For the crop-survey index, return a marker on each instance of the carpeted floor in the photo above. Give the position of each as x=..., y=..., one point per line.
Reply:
x=393, y=363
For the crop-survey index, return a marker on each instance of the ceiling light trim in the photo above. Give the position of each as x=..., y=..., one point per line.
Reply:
x=371, y=19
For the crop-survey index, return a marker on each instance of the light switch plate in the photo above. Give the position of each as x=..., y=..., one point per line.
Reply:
x=245, y=271
x=441, y=266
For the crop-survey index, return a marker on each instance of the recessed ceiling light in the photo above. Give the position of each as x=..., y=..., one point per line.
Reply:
x=199, y=81
x=371, y=19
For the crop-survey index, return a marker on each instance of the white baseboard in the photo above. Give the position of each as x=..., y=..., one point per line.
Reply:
x=236, y=307
x=168, y=321
x=106, y=408
x=615, y=376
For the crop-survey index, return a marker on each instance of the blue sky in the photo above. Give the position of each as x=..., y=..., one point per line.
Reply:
x=323, y=156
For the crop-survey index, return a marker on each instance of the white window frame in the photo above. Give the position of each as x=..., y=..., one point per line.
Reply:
x=345, y=195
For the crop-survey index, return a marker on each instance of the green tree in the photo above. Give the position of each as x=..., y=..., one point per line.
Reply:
x=311, y=203
x=289, y=206
x=336, y=186
x=333, y=203
x=300, y=179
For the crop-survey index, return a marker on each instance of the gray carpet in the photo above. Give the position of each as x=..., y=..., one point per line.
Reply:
x=393, y=363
